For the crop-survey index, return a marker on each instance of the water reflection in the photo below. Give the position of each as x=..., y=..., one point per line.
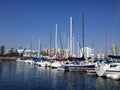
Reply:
x=24, y=76
x=107, y=84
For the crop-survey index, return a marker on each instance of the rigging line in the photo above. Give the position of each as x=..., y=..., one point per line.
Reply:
x=78, y=42
x=93, y=42
x=116, y=16
x=61, y=43
x=52, y=41
x=83, y=31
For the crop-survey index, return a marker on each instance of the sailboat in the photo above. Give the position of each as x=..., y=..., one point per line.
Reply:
x=71, y=65
x=82, y=63
x=56, y=59
x=109, y=69
x=86, y=65
x=41, y=61
x=76, y=58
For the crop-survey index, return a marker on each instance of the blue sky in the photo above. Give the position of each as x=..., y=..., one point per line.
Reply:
x=22, y=19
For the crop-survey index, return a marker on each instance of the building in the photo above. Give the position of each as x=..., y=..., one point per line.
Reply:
x=2, y=50
x=60, y=52
x=100, y=55
x=114, y=50
x=88, y=52
x=49, y=52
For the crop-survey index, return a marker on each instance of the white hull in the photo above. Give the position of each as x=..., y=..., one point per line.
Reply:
x=72, y=67
x=55, y=64
x=26, y=61
x=115, y=76
x=60, y=69
x=82, y=66
x=29, y=61
x=108, y=69
x=43, y=64
x=91, y=71
x=100, y=71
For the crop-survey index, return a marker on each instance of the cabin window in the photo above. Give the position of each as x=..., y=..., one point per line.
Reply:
x=113, y=65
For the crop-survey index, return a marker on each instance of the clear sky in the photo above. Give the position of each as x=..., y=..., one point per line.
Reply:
x=20, y=20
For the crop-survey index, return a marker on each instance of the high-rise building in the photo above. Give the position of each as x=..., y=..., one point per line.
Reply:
x=2, y=50
x=100, y=55
x=88, y=52
x=114, y=50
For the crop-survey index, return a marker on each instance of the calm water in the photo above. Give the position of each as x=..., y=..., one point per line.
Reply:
x=24, y=76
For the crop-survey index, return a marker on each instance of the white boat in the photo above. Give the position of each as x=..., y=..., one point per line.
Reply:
x=55, y=64
x=43, y=63
x=71, y=66
x=115, y=76
x=19, y=60
x=26, y=60
x=38, y=63
x=29, y=61
x=60, y=68
x=107, y=70
x=82, y=63
x=87, y=65
x=108, y=75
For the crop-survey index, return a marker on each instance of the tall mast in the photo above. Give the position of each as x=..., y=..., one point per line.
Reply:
x=39, y=49
x=31, y=53
x=62, y=52
x=73, y=47
x=83, y=31
x=71, y=36
x=56, y=39
x=50, y=42
x=78, y=49
x=68, y=43
x=105, y=42
x=32, y=44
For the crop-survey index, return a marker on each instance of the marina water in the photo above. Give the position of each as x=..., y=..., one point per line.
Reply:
x=24, y=76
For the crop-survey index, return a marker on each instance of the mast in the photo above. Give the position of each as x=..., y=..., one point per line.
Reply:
x=78, y=49
x=50, y=42
x=64, y=42
x=71, y=36
x=68, y=46
x=62, y=52
x=39, y=49
x=31, y=53
x=73, y=47
x=83, y=31
x=105, y=42
x=56, y=40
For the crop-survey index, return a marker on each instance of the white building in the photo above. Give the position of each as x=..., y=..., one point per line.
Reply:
x=100, y=55
x=114, y=50
x=88, y=52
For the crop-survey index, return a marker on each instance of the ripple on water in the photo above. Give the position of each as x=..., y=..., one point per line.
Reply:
x=24, y=76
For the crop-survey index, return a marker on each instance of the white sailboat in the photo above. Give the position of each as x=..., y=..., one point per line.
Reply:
x=55, y=63
x=110, y=70
x=82, y=64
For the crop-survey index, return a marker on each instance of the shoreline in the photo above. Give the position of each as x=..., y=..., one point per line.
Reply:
x=8, y=58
